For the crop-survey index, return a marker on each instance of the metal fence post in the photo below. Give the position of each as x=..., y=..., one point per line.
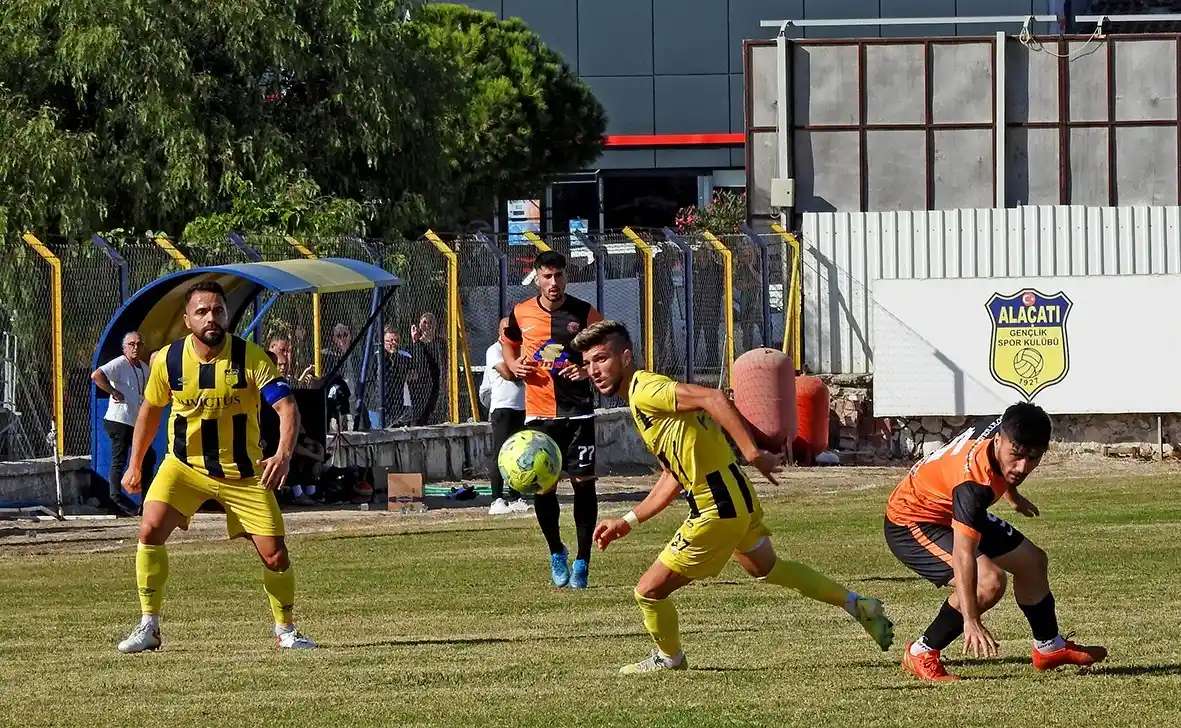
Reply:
x=793, y=310
x=377, y=315
x=645, y=251
x=600, y=253
x=252, y=255
x=58, y=352
x=177, y=256
x=316, y=355
x=690, y=343
x=765, y=279
x=452, y=322
x=502, y=266
x=727, y=299
x=120, y=262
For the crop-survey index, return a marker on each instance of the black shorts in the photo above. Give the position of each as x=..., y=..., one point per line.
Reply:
x=926, y=547
x=576, y=440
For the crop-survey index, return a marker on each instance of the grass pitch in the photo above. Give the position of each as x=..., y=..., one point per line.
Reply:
x=450, y=621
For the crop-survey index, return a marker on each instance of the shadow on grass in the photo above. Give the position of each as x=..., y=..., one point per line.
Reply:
x=887, y=579
x=1133, y=670
x=523, y=639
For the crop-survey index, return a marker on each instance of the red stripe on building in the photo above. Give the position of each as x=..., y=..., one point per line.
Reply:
x=675, y=140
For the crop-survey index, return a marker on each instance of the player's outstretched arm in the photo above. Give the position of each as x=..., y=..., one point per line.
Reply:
x=691, y=398
x=660, y=497
x=978, y=641
x=146, y=424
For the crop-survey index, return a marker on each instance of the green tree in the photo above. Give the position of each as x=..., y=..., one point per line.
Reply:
x=526, y=114
x=151, y=114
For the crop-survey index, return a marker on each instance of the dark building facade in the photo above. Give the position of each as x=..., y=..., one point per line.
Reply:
x=670, y=76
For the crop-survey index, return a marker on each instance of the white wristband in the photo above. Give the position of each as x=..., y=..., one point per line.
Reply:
x=631, y=519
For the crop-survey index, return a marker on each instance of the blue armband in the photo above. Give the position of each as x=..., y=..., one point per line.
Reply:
x=276, y=390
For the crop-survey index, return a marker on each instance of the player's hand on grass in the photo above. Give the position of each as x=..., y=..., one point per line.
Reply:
x=978, y=641
x=610, y=530
x=132, y=479
x=1024, y=506
x=274, y=471
x=574, y=373
x=767, y=463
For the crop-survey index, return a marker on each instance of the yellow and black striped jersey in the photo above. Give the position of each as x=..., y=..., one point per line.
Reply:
x=692, y=446
x=213, y=427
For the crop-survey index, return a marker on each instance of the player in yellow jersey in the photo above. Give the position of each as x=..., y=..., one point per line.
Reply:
x=683, y=425
x=215, y=383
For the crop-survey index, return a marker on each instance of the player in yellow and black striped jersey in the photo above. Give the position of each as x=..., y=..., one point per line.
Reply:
x=685, y=427
x=215, y=383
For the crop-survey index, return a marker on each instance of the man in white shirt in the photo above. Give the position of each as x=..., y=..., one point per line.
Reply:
x=123, y=378
x=504, y=397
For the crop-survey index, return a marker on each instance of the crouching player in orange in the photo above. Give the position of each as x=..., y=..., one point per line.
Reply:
x=683, y=425
x=938, y=524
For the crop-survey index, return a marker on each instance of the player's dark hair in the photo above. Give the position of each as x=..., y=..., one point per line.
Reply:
x=204, y=287
x=597, y=333
x=1027, y=426
x=550, y=259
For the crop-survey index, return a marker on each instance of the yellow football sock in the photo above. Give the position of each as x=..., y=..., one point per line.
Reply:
x=660, y=619
x=280, y=589
x=151, y=571
x=808, y=581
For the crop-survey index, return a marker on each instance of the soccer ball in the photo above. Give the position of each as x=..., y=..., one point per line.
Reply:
x=530, y=462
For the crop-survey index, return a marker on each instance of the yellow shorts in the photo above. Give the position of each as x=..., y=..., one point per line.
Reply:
x=702, y=546
x=250, y=508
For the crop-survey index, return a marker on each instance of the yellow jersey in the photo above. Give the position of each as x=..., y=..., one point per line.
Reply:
x=213, y=427
x=691, y=446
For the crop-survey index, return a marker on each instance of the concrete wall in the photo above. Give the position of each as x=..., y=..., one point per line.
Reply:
x=864, y=440
x=456, y=452
x=33, y=480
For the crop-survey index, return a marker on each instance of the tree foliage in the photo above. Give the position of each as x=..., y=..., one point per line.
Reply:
x=295, y=115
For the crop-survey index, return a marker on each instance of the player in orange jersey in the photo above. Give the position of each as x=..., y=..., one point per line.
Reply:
x=938, y=524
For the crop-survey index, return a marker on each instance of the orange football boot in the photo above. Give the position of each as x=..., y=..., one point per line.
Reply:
x=1071, y=654
x=926, y=666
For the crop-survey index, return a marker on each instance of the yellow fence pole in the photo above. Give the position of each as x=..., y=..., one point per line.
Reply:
x=538, y=243
x=58, y=354
x=793, y=315
x=452, y=322
x=306, y=252
x=646, y=294
x=177, y=256
x=727, y=300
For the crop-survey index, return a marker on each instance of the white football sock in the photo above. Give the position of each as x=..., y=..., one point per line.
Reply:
x=1053, y=645
x=919, y=647
x=672, y=659
x=150, y=620
x=281, y=629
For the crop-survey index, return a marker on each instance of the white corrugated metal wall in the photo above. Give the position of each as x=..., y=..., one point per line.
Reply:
x=845, y=252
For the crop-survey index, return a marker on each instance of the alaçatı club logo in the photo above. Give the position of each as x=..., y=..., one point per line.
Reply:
x=1029, y=347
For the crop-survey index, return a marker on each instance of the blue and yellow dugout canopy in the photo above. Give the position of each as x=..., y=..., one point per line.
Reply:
x=156, y=310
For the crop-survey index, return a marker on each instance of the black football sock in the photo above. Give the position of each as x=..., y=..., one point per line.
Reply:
x=586, y=513
x=948, y=625
x=548, y=514
x=1043, y=619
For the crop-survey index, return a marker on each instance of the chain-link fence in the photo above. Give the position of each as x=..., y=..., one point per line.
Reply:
x=90, y=297
x=405, y=371
x=26, y=353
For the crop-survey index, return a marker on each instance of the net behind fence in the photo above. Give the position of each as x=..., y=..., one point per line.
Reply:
x=90, y=297
x=26, y=367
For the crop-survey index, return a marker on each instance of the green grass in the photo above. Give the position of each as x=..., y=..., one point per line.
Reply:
x=456, y=626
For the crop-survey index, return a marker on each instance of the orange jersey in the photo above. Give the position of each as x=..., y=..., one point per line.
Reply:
x=545, y=336
x=954, y=486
